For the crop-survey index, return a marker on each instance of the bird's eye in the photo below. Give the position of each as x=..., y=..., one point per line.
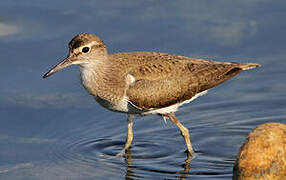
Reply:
x=85, y=50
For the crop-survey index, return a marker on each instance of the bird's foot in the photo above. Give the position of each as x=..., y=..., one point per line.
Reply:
x=192, y=153
x=121, y=153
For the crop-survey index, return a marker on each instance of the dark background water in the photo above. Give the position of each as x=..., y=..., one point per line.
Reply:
x=52, y=129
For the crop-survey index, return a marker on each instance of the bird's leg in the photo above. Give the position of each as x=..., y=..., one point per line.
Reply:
x=129, y=136
x=183, y=129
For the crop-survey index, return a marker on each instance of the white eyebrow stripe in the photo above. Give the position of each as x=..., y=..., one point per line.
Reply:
x=93, y=43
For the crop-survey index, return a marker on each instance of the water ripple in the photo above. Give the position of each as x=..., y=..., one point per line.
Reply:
x=158, y=150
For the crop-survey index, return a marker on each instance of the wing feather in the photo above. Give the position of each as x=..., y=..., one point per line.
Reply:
x=160, y=84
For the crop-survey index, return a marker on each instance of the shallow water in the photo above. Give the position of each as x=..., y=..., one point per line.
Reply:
x=52, y=129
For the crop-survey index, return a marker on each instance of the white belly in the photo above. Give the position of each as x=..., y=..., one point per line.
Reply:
x=165, y=110
x=119, y=106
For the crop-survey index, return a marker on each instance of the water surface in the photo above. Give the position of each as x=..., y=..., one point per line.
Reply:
x=52, y=129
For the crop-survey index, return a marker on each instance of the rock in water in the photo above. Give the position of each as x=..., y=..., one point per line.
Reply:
x=263, y=154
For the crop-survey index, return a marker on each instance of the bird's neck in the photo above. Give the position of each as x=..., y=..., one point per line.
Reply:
x=101, y=80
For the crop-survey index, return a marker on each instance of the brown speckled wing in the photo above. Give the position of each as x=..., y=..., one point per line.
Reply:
x=166, y=82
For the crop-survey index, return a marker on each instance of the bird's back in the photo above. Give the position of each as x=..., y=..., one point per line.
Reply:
x=162, y=80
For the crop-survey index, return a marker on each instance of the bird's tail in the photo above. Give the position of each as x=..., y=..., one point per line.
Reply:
x=246, y=66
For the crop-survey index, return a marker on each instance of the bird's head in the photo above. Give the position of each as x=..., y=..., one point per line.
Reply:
x=83, y=49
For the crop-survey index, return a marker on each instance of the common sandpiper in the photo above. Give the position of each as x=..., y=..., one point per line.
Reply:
x=144, y=83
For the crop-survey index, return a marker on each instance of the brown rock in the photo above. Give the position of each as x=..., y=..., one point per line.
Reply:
x=263, y=154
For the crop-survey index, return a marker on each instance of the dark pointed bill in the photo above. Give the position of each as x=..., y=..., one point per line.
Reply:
x=65, y=63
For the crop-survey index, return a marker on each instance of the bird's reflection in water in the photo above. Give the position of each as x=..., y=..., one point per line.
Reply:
x=187, y=166
x=128, y=160
x=130, y=174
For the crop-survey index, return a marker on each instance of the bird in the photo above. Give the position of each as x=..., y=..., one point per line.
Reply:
x=144, y=83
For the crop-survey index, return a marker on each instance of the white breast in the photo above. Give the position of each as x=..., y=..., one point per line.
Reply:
x=88, y=75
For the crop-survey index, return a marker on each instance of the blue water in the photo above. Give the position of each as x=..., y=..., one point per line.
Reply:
x=52, y=129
